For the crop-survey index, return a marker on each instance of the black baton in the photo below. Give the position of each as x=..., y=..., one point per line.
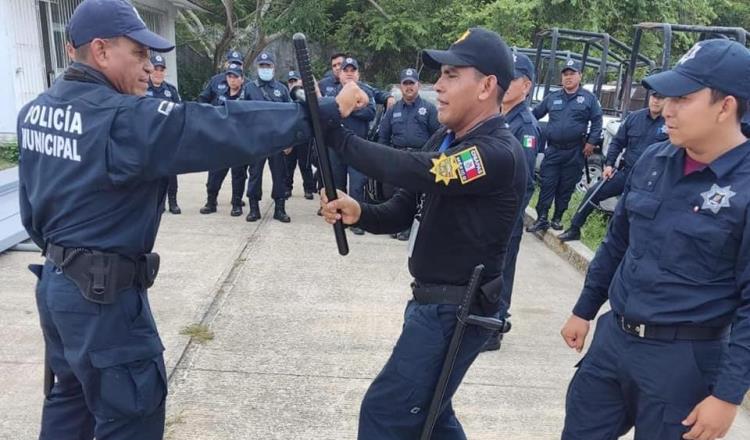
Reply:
x=464, y=319
x=308, y=84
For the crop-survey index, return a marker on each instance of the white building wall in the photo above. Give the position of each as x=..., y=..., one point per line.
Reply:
x=22, y=73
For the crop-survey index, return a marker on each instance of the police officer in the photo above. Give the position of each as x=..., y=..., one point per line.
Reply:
x=217, y=84
x=159, y=88
x=359, y=123
x=569, y=140
x=266, y=88
x=330, y=84
x=672, y=357
x=235, y=80
x=462, y=193
x=300, y=154
x=639, y=130
x=95, y=155
x=525, y=128
x=409, y=123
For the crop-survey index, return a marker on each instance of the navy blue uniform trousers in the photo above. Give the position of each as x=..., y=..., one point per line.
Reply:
x=216, y=178
x=300, y=155
x=560, y=171
x=343, y=172
x=277, y=163
x=625, y=381
x=110, y=377
x=609, y=188
x=396, y=404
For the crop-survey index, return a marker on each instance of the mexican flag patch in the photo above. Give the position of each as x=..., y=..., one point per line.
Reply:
x=529, y=141
x=470, y=166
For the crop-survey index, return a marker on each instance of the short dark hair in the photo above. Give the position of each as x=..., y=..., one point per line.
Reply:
x=338, y=55
x=742, y=104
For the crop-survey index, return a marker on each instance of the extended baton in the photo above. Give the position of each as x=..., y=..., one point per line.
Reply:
x=308, y=84
x=464, y=319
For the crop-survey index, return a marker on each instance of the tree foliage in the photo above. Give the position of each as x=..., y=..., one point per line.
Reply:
x=387, y=35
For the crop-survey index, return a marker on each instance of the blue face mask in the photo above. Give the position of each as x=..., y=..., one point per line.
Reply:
x=265, y=74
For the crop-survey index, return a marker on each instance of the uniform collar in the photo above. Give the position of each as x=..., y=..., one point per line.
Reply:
x=516, y=110
x=485, y=127
x=159, y=87
x=722, y=166
x=85, y=73
x=725, y=163
x=416, y=102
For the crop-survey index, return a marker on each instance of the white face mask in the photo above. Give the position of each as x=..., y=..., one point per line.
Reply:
x=265, y=74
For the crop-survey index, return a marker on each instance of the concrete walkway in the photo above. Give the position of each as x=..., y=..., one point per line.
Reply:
x=299, y=332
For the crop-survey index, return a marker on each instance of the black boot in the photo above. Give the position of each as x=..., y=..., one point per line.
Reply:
x=308, y=195
x=174, y=208
x=254, y=214
x=210, y=205
x=493, y=343
x=236, y=211
x=556, y=224
x=279, y=213
x=573, y=233
x=540, y=225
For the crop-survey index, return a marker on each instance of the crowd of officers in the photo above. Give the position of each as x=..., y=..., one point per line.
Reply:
x=573, y=131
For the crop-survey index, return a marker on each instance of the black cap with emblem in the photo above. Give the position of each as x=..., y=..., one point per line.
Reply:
x=479, y=48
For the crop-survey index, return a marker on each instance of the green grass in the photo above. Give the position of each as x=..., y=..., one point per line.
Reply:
x=8, y=155
x=593, y=231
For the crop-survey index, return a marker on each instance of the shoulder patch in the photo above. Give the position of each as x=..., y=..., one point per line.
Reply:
x=529, y=141
x=444, y=168
x=469, y=164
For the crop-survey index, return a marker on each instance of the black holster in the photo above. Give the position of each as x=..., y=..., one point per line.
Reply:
x=100, y=276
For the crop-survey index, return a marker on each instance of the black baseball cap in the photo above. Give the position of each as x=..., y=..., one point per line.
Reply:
x=409, y=75
x=522, y=66
x=479, y=48
x=293, y=75
x=349, y=61
x=109, y=19
x=571, y=64
x=234, y=56
x=234, y=69
x=718, y=64
x=158, y=60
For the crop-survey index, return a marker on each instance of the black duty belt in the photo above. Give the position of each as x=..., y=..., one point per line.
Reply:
x=671, y=333
x=566, y=146
x=101, y=275
x=438, y=293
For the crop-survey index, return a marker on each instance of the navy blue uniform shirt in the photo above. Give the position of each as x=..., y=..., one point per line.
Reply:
x=525, y=128
x=272, y=91
x=94, y=163
x=164, y=91
x=569, y=118
x=466, y=198
x=677, y=252
x=216, y=86
x=408, y=125
x=636, y=133
x=329, y=86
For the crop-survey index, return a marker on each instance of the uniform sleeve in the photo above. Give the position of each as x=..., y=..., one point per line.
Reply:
x=618, y=143
x=151, y=138
x=595, y=131
x=604, y=265
x=540, y=110
x=733, y=380
x=433, y=124
x=384, y=132
x=177, y=97
x=464, y=169
x=26, y=219
x=389, y=217
x=207, y=95
x=532, y=132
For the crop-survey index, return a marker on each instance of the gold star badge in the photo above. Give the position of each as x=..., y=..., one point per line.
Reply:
x=445, y=169
x=463, y=37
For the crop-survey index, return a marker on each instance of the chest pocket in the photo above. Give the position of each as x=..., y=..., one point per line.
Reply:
x=642, y=209
x=556, y=105
x=699, y=248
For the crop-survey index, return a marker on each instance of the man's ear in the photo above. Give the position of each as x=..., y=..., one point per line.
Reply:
x=488, y=87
